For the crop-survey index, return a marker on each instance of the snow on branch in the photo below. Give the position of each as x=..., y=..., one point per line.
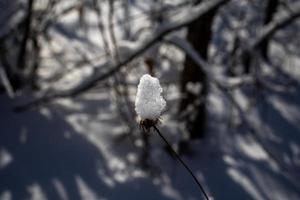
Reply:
x=90, y=82
x=226, y=83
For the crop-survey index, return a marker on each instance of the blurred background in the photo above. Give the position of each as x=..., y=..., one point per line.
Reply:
x=230, y=72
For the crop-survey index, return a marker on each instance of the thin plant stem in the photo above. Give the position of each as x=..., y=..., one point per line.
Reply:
x=181, y=161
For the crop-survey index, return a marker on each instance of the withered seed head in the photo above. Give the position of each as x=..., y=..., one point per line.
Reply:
x=147, y=124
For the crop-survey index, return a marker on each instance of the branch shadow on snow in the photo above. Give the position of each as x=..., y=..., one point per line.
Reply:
x=47, y=151
x=238, y=168
x=280, y=113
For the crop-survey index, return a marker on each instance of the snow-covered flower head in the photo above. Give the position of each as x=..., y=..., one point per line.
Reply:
x=149, y=103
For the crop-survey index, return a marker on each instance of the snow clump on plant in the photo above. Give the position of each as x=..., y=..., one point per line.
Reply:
x=149, y=102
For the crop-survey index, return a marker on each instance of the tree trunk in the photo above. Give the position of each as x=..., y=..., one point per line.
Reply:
x=270, y=10
x=199, y=35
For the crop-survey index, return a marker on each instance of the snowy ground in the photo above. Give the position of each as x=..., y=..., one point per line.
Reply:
x=69, y=151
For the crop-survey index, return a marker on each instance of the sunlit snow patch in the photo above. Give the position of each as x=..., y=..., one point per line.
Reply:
x=5, y=158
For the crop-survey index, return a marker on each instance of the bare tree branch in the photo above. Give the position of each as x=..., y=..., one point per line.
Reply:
x=277, y=24
x=194, y=14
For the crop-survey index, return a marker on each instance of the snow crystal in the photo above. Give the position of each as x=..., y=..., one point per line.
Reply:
x=149, y=103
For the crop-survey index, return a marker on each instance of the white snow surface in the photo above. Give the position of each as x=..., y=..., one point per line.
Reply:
x=149, y=102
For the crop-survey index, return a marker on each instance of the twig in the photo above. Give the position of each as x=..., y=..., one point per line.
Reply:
x=111, y=29
x=6, y=83
x=181, y=161
x=26, y=35
x=101, y=27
